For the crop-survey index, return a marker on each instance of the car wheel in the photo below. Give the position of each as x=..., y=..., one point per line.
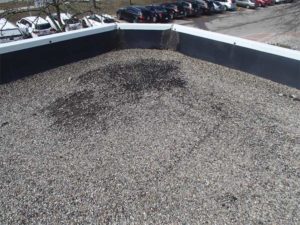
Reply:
x=185, y=14
x=119, y=16
x=226, y=8
x=154, y=19
x=84, y=24
x=135, y=20
x=247, y=6
x=171, y=16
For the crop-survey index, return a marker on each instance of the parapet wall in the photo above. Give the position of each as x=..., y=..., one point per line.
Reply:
x=27, y=57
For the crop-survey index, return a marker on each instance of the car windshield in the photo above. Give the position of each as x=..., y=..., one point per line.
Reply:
x=137, y=10
x=105, y=19
x=185, y=4
x=173, y=6
x=71, y=21
x=55, y=17
x=108, y=20
x=95, y=18
x=160, y=10
x=157, y=9
x=42, y=26
x=9, y=33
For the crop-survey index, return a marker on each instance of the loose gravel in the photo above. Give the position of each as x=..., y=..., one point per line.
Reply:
x=148, y=137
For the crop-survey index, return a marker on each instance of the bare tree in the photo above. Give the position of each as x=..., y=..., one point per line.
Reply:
x=50, y=7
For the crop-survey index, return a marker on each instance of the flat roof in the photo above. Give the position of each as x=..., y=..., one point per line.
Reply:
x=148, y=136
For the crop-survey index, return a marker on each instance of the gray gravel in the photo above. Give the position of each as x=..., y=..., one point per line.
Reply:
x=148, y=137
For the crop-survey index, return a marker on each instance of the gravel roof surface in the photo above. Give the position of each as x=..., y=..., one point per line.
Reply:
x=148, y=137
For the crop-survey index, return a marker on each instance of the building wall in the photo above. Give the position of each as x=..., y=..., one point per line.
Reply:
x=36, y=55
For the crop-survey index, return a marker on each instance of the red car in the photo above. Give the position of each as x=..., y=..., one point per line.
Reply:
x=270, y=2
x=261, y=3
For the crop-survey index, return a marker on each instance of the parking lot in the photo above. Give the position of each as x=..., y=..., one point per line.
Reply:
x=277, y=24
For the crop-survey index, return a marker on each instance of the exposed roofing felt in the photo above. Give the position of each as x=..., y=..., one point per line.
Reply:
x=148, y=136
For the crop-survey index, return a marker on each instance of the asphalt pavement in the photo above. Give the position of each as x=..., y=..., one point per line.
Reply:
x=279, y=24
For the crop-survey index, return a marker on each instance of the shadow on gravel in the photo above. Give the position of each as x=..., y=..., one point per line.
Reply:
x=76, y=110
x=139, y=76
x=109, y=88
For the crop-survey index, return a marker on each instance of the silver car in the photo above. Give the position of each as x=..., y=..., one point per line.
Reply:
x=228, y=4
x=249, y=4
x=68, y=21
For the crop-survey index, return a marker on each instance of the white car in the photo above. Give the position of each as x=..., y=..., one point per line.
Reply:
x=67, y=20
x=34, y=26
x=9, y=32
x=229, y=4
x=97, y=20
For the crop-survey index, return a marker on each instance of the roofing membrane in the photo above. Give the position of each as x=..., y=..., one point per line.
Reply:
x=143, y=136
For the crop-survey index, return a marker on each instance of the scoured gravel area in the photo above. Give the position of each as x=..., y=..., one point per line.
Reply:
x=148, y=137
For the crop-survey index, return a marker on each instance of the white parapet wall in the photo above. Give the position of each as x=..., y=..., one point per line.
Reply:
x=275, y=63
x=241, y=42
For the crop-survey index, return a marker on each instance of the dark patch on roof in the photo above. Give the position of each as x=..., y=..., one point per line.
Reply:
x=116, y=85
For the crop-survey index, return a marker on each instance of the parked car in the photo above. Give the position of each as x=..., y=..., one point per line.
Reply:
x=249, y=4
x=160, y=13
x=218, y=7
x=68, y=21
x=209, y=7
x=261, y=3
x=270, y=2
x=134, y=14
x=33, y=26
x=229, y=4
x=176, y=10
x=279, y=1
x=97, y=20
x=206, y=6
x=187, y=6
x=9, y=32
x=193, y=7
